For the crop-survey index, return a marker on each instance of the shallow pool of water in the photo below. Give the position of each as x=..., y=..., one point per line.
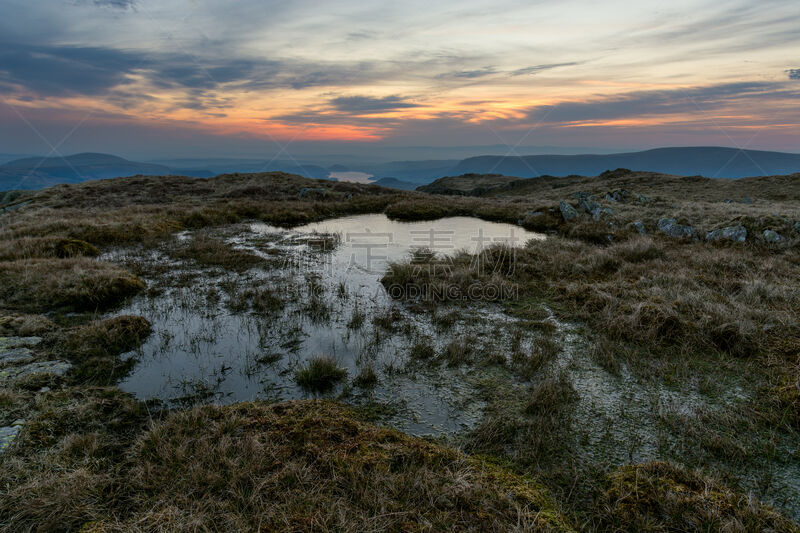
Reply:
x=205, y=348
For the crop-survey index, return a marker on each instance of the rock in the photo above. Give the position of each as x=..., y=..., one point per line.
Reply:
x=14, y=207
x=600, y=211
x=8, y=434
x=567, y=211
x=312, y=192
x=6, y=343
x=588, y=205
x=618, y=195
x=13, y=373
x=796, y=227
x=728, y=201
x=15, y=356
x=531, y=213
x=728, y=233
x=671, y=227
x=580, y=195
x=772, y=236
x=639, y=227
x=642, y=199
x=747, y=200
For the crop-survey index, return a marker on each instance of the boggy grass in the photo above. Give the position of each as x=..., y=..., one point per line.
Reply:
x=94, y=348
x=320, y=373
x=661, y=497
x=78, y=283
x=210, y=251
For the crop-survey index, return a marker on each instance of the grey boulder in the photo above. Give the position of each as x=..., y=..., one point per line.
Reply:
x=728, y=233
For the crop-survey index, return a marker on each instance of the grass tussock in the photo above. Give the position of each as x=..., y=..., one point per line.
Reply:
x=212, y=252
x=81, y=284
x=67, y=467
x=320, y=373
x=15, y=324
x=85, y=461
x=94, y=348
x=310, y=465
x=42, y=247
x=662, y=497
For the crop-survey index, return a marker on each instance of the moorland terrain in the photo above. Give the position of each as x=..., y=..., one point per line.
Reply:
x=645, y=373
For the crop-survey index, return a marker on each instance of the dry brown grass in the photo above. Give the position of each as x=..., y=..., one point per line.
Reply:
x=661, y=497
x=295, y=466
x=41, y=285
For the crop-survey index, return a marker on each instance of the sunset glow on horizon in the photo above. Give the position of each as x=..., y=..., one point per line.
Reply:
x=179, y=75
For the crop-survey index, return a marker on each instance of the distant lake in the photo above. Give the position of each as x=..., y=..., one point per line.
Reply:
x=355, y=177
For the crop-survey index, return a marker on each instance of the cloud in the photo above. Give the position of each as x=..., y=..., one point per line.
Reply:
x=539, y=68
x=471, y=74
x=692, y=101
x=359, y=104
x=48, y=70
x=118, y=4
x=794, y=73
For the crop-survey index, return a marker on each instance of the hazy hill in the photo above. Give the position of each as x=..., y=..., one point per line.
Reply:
x=706, y=161
x=394, y=183
x=40, y=172
x=468, y=184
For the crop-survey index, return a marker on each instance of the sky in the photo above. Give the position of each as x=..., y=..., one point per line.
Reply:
x=197, y=78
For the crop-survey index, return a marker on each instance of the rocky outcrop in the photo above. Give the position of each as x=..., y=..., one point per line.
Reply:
x=567, y=211
x=729, y=233
x=670, y=226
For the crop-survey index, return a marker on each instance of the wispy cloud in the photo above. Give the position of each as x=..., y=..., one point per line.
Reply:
x=361, y=104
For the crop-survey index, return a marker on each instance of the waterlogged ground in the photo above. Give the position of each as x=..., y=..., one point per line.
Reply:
x=440, y=371
x=208, y=345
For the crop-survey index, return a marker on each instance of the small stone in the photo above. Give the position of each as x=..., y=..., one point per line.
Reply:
x=796, y=227
x=600, y=211
x=772, y=236
x=671, y=227
x=728, y=201
x=312, y=192
x=729, y=233
x=567, y=211
x=639, y=227
x=7, y=436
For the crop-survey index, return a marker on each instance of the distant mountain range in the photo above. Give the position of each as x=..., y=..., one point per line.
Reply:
x=712, y=162
x=39, y=172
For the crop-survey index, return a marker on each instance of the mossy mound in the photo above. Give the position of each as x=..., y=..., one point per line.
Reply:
x=311, y=466
x=67, y=465
x=94, y=349
x=41, y=247
x=661, y=497
x=14, y=324
x=79, y=283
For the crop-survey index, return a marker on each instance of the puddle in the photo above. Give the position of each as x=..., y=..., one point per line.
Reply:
x=205, y=348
